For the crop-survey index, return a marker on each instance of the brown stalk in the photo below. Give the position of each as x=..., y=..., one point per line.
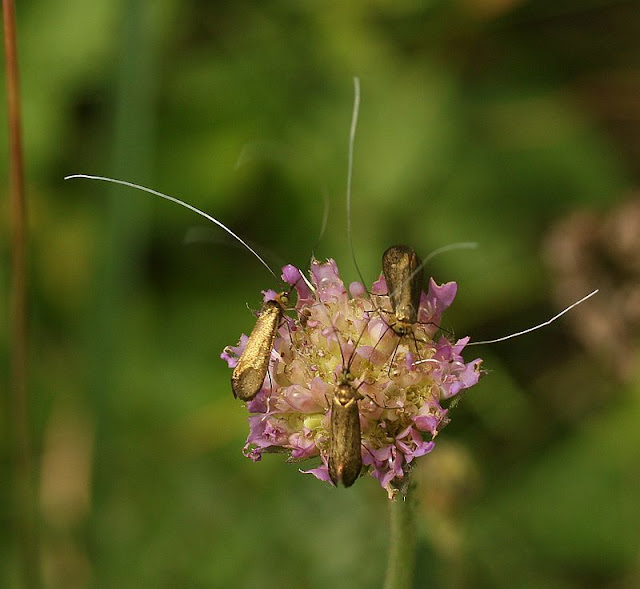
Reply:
x=25, y=518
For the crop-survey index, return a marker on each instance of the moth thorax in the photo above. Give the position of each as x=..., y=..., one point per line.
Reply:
x=402, y=327
x=406, y=314
x=282, y=299
x=346, y=395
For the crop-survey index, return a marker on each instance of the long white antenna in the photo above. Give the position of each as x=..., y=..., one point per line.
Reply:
x=506, y=337
x=177, y=201
x=462, y=245
x=352, y=138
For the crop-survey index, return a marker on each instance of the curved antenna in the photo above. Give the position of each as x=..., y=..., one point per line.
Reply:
x=352, y=137
x=462, y=245
x=325, y=214
x=325, y=219
x=506, y=337
x=180, y=202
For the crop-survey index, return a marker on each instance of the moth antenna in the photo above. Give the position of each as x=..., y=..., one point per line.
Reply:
x=307, y=282
x=180, y=202
x=352, y=138
x=462, y=245
x=325, y=214
x=506, y=337
x=325, y=219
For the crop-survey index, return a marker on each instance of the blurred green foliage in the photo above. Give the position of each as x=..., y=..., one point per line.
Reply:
x=485, y=120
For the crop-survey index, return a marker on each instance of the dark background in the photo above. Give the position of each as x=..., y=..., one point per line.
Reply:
x=514, y=124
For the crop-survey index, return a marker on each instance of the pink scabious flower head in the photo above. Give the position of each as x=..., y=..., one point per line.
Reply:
x=403, y=380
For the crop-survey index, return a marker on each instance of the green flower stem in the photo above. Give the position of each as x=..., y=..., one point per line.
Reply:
x=402, y=543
